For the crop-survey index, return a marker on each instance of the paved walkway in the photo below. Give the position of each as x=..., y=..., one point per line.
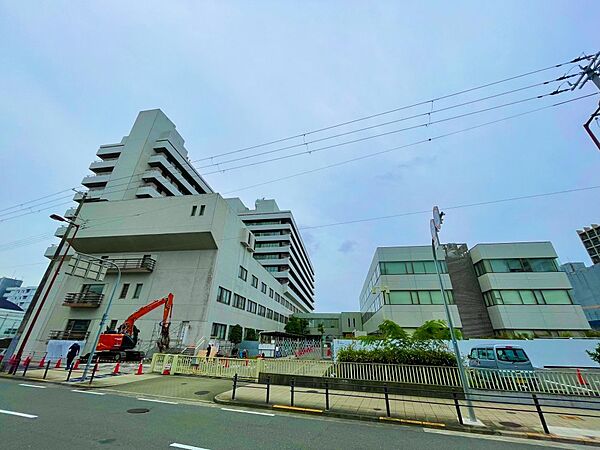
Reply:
x=434, y=411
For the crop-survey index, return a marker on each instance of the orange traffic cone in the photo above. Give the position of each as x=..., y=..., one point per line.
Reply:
x=140, y=370
x=76, y=366
x=57, y=366
x=42, y=362
x=117, y=368
x=580, y=378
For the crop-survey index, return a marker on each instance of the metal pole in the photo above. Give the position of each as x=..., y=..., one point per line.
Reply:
x=42, y=287
x=104, y=316
x=461, y=369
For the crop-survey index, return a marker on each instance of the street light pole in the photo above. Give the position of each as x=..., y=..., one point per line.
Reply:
x=436, y=225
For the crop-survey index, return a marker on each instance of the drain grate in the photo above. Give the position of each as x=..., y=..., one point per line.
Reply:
x=138, y=410
x=201, y=392
x=510, y=424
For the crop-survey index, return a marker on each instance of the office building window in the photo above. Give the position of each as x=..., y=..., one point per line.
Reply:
x=416, y=298
x=262, y=310
x=515, y=265
x=202, y=208
x=239, y=301
x=219, y=331
x=194, y=208
x=243, y=273
x=251, y=308
x=527, y=297
x=254, y=282
x=276, y=316
x=271, y=293
x=223, y=296
x=269, y=313
x=138, y=290
x=263, y=288
x=124, y=290
x=411, y=267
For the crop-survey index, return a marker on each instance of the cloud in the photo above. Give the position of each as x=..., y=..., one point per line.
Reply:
x=347, y=246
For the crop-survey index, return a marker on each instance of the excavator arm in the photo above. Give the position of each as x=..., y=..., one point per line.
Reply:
x=127, y=327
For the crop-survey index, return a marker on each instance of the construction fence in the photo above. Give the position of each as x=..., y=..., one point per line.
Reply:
x=548, y=381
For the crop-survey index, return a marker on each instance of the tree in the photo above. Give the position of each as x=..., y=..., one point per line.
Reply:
x=595, y=355
x=251, y=334
x=235, y=334
x=321, y=329
x=436, y=330
x=296, y=325
x=387, y=331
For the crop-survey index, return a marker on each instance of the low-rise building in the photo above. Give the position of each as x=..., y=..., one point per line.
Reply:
x=333, y=325
x=20, y=296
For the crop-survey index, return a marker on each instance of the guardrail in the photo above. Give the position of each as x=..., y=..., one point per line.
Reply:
x=546, y=381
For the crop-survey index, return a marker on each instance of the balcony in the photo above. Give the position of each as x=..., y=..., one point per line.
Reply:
x=145, y=264
x=68, y=335
x=155, y=176
x=109, y=151
x=70, y=213
x=61, y=231
x=147, y=192
x=106, y=166
x=83, y=299
x=94, y=181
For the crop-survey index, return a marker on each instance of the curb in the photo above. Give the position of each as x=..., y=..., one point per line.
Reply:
x=420, y=423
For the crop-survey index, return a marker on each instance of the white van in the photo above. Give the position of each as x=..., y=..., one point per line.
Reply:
x=499, y=356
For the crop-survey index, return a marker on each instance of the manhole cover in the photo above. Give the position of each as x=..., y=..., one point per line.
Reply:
x=138, y=410
x=201, y=392
x=510, y=424
x=312, y=391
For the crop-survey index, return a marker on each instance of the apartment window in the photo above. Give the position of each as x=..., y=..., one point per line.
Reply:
x=77, y=326
x=124, y=290
x=271, y=293
x=219, y=330
x=92, y=288
x=194, y=208
x=272, y=269
x=251, y=308
x=269, y=313
x=278, y=298
x=113, y=324
x=223, y=296
x=138, y=290
x=263, y=288
x=254, y=282
x=262, y=310
x=239, y=301
x=243, y=274
x=202, y=208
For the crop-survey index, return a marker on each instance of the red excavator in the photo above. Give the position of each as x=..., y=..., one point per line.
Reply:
x=117, y=345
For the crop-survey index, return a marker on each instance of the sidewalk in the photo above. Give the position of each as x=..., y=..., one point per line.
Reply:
x=523, y=420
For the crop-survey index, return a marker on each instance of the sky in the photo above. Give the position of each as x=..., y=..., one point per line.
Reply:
x=236, y=74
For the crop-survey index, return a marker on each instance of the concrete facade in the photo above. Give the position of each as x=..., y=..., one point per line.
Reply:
x=590, y=237
x=7, y=283
x=586, y=289
x=20, y=296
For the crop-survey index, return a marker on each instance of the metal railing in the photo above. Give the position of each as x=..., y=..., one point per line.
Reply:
x=66, y=335
x=83, y=299
x=145, y=264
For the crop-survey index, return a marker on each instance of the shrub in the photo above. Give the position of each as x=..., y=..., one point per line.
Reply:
x=595, y=355
x=401, y=352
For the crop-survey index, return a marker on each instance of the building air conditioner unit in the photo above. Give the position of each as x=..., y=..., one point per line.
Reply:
x=247, y=239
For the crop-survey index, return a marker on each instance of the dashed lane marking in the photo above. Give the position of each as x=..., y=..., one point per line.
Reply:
x=87, y=392
x=14, y=413
x=32, y=385
x=186, y=447
x=157, y=401
x=248, y=412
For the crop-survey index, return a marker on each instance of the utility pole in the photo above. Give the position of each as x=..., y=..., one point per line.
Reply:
x=44, y=287
x=436, y=226
x=591, y=72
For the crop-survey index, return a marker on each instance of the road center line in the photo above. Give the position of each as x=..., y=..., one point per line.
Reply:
x=157, y=401
x=14, y=413
x=248, y=412
x=32, y=385
x=186, y=447
x=87, y=392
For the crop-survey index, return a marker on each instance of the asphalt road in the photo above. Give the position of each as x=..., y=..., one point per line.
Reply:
x=56, y=416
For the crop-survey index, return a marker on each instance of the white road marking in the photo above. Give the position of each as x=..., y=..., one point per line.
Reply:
x=14, y=413
x=248, y=412
x=32, y=385
x=186, y=447
x=157, y=401
x=87, y=392
x=502, y=438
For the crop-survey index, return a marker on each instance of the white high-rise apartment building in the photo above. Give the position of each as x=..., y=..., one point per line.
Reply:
x=590, y=237
x=152, y=214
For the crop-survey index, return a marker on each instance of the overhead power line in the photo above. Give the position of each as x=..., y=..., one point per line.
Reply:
x=366, y=138
x=412, y=144
x=401, y=108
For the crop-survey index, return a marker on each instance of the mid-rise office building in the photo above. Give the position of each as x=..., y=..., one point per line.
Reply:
x=586, y=289
x=7, y=283
x=20, y=296
x=334, y=325
x=493, y=289
x=590, y=237
x=149, y=212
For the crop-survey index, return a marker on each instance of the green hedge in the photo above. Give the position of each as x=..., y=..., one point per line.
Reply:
x=434, y=356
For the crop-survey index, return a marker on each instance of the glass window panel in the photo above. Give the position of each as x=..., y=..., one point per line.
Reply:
x=556, y=297
x=418, y=266
x=400, y=298
x=395, y=268
x=514, y=265
x=499, y=265
x=450, y=297
x=430, y=267
x=528, y=297
x=511, y=297
x=424, y=297
x=415, y=297
x=436, y=297
x=539, y=297
x=542, y=265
